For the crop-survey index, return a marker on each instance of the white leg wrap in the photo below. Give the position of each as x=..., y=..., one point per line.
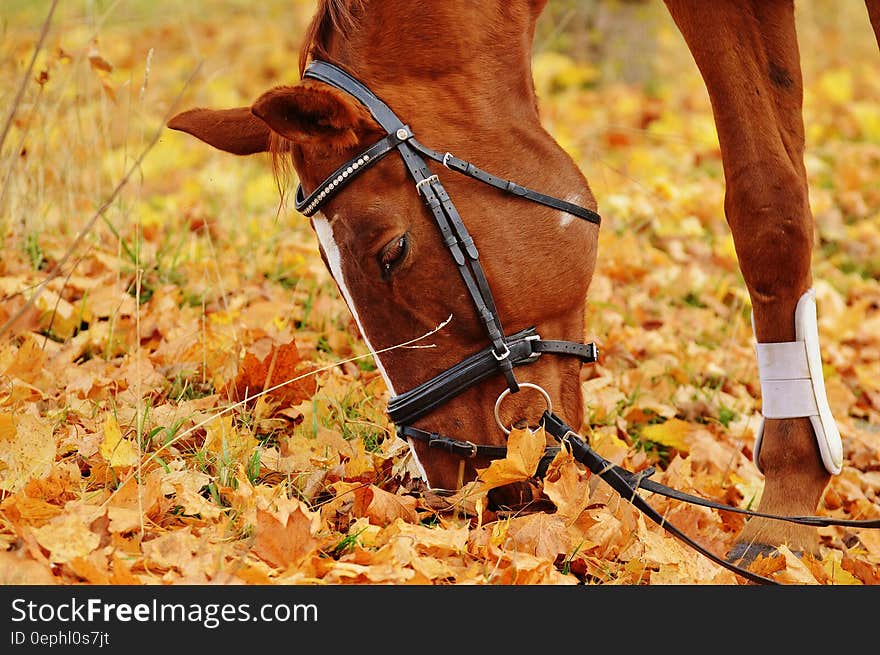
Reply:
x=793, y=386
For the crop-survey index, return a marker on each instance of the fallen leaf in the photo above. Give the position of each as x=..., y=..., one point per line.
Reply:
x=28, y=455
x=281, y=371
x=69, y=535
x=7, y=427
x=116, y=450
x=524, y=450
x=20, y=508
x=16, y=568
x=93, y=572
x=672, y=432
x=226, y=442
x=284, y=542
x=540, y=534
x=567, y=485
x=382, y=507
x=172, y=550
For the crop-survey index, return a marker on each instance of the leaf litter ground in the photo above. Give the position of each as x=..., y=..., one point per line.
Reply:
x=187, y=399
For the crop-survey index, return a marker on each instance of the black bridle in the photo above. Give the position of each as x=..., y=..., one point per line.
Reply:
x=505, y=352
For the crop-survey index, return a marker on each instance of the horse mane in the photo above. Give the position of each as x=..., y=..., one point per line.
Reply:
x=332, y=17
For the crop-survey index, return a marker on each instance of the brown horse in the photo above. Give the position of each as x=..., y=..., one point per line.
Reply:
x=459, y=74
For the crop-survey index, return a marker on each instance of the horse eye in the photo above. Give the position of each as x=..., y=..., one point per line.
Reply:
x=393, y=254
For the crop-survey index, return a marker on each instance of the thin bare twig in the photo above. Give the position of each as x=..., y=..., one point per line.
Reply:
x=27, y=74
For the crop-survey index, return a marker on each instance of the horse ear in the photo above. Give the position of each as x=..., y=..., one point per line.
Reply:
x=234, y=130
x=314, y=112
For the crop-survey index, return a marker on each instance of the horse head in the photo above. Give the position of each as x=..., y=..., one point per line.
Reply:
x=462, y=87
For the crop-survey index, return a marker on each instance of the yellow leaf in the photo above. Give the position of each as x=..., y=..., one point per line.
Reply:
x=524, y=451
x=568, y=486
x=58, y=315
x=16, y=568
x=7, y=427
x=172, y=550
x=383, y=507
x=540, y=534
x=672, y=433
x=27, y=364
x=227, y=443
x=359, y=461
x=117, y=451
x=439, y=542
x=28, y=454
x=68, y=535
x=837, y=575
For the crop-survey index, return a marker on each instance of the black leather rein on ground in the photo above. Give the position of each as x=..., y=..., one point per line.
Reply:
x=627, y=483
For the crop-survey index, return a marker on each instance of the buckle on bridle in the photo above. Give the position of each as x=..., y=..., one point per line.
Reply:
x=446, y=159
x=427, y=180
x=474, y=449
x=534, y=355
x=501, y=356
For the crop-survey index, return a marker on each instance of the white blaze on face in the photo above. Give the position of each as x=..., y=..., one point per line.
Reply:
x=324, y=231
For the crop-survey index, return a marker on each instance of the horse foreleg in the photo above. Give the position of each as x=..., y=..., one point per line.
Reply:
x=747, y=53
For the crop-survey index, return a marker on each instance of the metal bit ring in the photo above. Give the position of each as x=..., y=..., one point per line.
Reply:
x=504, y=394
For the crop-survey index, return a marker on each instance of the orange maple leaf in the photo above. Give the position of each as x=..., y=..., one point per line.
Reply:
x=382, y=507
x=284, y=543
x=540, y=534
x=524, y=451
x=282, y=365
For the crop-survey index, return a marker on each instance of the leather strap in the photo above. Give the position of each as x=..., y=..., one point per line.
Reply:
x=627, y=483
x=388, y=120
x=524, y=348
x=586, y=352
x=336, y=77
x=453, y=231
x=468, y=449
x=339, y=178
x=466, y=168
x=452, y=228
x=427, y=396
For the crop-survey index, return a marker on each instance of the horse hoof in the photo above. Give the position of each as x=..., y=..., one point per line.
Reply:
x=744, y=553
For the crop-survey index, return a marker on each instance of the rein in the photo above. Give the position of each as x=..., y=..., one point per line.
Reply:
x=505, y=353
x=627, y=483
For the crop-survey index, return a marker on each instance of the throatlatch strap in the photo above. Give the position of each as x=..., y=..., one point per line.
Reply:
x=793, y=384
x=453, y=163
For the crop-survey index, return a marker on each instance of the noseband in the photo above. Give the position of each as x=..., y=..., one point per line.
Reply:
x=505, y=352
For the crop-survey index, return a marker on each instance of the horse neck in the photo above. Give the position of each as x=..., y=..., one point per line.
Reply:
x=448, y=57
